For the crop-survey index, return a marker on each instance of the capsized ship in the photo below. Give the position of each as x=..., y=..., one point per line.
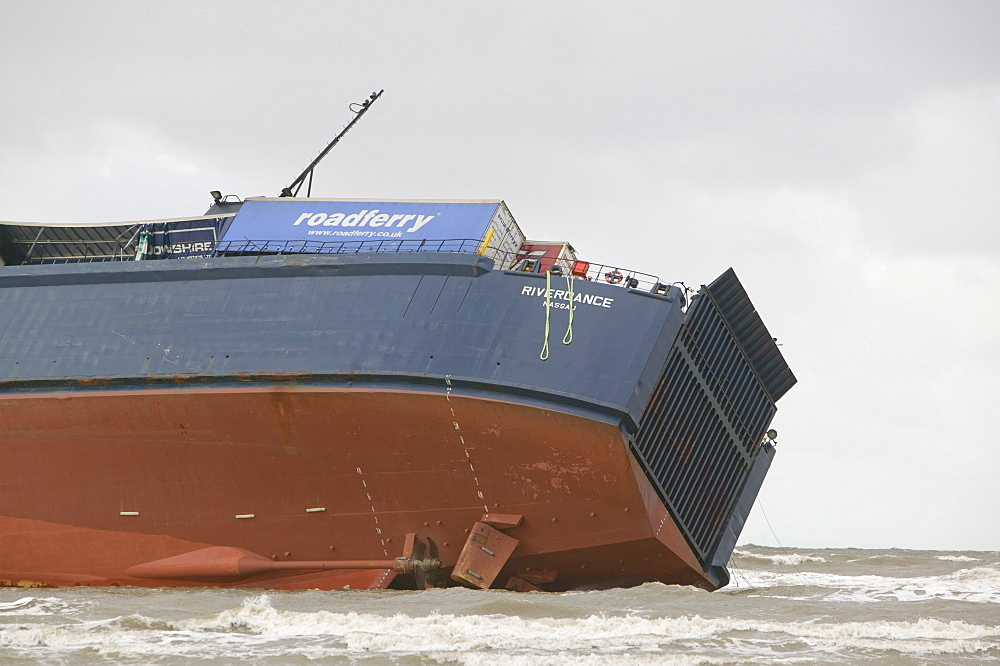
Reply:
x=327, y=393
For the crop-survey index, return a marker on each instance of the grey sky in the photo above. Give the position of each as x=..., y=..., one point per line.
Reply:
x=844, y=157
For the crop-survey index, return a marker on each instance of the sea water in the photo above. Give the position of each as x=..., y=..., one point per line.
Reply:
x=784, y=605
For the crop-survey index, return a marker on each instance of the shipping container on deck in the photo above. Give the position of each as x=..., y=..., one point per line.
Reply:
x=540, y=256
x=286, y=225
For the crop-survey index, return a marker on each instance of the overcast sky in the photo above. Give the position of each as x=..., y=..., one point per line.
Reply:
x=843, y=157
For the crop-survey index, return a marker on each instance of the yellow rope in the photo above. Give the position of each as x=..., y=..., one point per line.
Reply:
x=548, y=309
x=568, y=338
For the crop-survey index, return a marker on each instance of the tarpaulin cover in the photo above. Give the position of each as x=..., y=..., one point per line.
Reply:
x=181, y=239
x=326, y=220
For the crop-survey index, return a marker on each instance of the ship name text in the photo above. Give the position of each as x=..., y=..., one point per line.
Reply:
x=563, y=295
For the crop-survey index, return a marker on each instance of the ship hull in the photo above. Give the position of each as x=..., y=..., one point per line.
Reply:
x=111, y=479
x=222, y=421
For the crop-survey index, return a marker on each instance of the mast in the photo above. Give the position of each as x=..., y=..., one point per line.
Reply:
x=293, y=189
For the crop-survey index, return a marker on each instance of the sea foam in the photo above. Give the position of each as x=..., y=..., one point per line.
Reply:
x=33, y=606
x=789, y=559
x=977, y=585
x=257, y=629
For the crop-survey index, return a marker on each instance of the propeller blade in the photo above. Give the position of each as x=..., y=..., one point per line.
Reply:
x=419, y=575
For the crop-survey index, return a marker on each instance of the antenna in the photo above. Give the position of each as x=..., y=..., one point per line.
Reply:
x=293, y=189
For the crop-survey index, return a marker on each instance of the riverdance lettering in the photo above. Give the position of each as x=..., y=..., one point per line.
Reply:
x=563, y=295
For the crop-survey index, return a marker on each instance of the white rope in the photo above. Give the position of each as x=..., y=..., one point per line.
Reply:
x=548, y=309
x=568, y=338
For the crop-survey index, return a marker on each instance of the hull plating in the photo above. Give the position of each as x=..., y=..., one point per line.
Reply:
x=107, y=480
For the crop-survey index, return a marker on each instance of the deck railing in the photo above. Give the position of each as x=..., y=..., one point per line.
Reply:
x=256, y=247
x=502, y=259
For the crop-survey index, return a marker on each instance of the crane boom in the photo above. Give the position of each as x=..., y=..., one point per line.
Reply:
x=293, y=189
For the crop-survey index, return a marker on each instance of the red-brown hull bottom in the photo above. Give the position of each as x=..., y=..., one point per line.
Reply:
x=100, y=482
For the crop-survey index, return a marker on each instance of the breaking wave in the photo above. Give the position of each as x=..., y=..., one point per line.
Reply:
x=791, y=560
x=256, y=629
x=33, y=606
x=977, y=585
x=819, y=606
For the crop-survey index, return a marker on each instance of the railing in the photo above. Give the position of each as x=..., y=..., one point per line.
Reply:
x=77, y=250
x=256, y=247
x=505, y=260
x=86, y=259
x=502, y=259
x=616, y=275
